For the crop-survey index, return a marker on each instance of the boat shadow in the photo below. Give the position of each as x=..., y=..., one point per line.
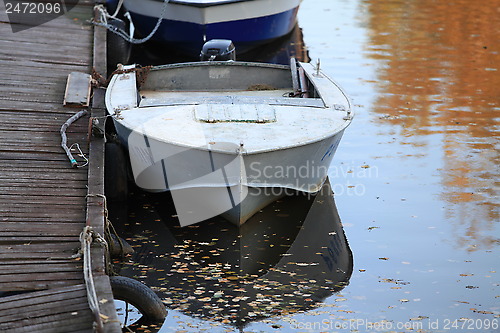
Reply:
x=285, y=259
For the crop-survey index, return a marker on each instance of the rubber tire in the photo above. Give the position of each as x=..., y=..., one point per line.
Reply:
x=115, y=173
x=142, y=297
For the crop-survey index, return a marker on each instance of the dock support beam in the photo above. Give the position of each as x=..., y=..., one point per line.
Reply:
x=95, y=202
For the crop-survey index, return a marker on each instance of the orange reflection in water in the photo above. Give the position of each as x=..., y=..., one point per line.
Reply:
x=440, y=74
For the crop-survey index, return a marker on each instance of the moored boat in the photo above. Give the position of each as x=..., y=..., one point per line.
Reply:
x=227, y=137
x=187, y=24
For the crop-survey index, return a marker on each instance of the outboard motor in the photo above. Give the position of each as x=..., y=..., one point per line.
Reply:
x=218, y=49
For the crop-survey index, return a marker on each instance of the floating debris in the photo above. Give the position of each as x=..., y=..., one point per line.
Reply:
x=394, y=281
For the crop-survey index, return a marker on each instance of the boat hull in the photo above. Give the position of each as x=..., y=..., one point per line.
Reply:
x=187, y=27
x=205, y=183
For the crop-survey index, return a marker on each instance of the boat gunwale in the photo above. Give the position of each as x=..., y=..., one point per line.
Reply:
x=220, y=63
x=201, y=4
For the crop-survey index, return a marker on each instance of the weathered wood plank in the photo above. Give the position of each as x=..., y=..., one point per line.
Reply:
x=37, y=267
x=66, y=323
x=45, y=277
x=31, y=199
x=43, y=310
x=42, y=45
x=39, y=69
x=38, y=285
x=17, y=104
x=39, y=247
x=41, y=219
x=77, y=90
x=48, y=138
x=69, y=216
x=37, y=255
x=37, y=175
x=40, y=296
x=41, y=118
x=54, y=228
x=14, y=239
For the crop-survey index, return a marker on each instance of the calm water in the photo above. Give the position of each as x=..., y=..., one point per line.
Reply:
x=416, y=182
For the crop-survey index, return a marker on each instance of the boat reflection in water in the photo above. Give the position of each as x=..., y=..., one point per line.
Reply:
x=285, y=259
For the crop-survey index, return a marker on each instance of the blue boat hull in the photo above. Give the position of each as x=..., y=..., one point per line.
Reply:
x=246, y=34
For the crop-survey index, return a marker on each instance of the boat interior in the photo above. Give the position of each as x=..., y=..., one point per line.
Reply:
x=228, y=83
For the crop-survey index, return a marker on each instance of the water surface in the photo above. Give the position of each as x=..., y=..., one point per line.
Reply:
x=416, y=176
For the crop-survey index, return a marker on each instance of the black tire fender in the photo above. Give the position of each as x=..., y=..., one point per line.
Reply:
x=142, y=297
x=118, y=49
x=115, y=172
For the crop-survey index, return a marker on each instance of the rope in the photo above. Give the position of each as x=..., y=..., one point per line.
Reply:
x=86, y=238
x=81, y=154
x=103, y=22
x=64, y=139
x=120, y=4
x=109, y=229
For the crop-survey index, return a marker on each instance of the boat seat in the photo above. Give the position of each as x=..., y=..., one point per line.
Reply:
x=180, y=98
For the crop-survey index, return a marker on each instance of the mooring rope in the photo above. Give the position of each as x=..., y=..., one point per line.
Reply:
x=120, y=4
x=103, y=22
x=64, y=139
x=109, y=230
x=87, y=236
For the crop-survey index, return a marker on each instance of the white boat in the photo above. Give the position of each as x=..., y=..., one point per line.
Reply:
x=227, y=137
x=187, y=24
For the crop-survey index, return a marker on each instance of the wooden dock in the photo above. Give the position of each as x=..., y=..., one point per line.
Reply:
x=43, y=201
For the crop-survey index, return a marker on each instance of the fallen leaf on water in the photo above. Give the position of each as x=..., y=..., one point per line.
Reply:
x=481, y=311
